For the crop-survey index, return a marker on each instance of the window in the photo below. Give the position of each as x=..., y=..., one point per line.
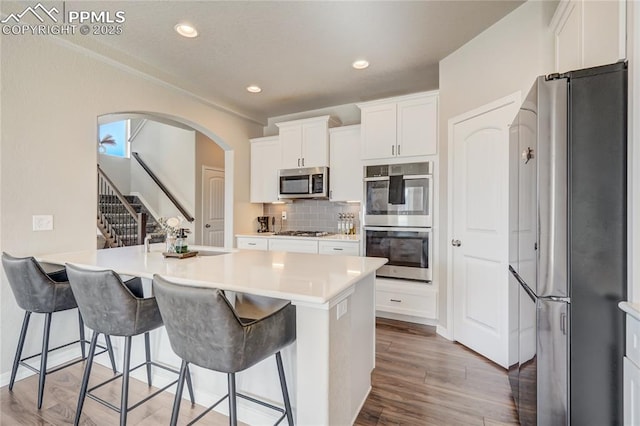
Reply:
x=114, y=139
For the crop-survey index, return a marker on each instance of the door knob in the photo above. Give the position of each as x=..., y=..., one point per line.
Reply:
x=207, y=226
x=456, y=243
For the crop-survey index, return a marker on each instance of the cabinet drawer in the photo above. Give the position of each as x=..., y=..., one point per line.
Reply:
x=253, y=243
x=633, y=339
x=407, y=298
x=339, y=247
x=293, y=245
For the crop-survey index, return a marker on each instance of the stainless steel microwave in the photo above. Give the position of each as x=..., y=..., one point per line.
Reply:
x=310, y=182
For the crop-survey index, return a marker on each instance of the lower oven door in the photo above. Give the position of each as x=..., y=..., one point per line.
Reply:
x=408, y=251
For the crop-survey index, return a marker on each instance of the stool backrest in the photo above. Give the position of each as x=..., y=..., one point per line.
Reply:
x=33, y=289
x=106, y=304
x=203, y=327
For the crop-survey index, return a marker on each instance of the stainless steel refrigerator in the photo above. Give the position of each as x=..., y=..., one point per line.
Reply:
x=568, y=248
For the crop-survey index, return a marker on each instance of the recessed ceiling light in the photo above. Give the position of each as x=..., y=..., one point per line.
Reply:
x=254, y=89
x=360, y=64
x=186, y=30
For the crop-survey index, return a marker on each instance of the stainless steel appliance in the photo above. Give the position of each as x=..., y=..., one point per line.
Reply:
x=304, y=233
x=408, y=250
x=398, y=194
x=310, y=182
x=568, y=248
x=263, y=223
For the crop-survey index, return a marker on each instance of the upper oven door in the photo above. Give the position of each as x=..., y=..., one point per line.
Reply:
x=399, y=200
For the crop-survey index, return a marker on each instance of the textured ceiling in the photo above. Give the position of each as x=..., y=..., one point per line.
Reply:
x=300, y=53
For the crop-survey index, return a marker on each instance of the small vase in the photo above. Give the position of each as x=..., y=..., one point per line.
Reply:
x=171, y=243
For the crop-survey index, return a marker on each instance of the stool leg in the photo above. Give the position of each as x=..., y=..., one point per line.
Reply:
x=124, y=399
x=81, y=328
x=43, y=358
x=285, y=391
x=190, y=387
x=16, y=360
x=233, y=415
x=184, y=371
x=147, y=351
x=107, y=339
x=85, y=377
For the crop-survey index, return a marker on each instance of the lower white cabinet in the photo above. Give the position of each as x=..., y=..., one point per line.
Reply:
x=253, y=243
x=632, y=373
x=407, y=298
x=347, y=248
x=293, y=245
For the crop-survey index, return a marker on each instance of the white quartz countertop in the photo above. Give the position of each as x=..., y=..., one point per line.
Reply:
x=332, y=237
x=631, y=308
x=299, y=277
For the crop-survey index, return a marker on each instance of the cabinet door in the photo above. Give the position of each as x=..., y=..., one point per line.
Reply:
x=417, y=127
x=345, y=181
x=249, y=243
x=378, y=131
x=315, y=145
x=631, y=392
x=293, y=245
x=345, y=248
x=265, y=162
x=290, y=139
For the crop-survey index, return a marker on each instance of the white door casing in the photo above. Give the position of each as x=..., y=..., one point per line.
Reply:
x=213, y=207
x=479, y=192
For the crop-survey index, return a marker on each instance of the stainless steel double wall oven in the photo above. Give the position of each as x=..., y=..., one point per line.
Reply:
x=398, y=218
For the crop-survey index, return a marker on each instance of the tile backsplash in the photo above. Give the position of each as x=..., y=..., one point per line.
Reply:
x=311, y=215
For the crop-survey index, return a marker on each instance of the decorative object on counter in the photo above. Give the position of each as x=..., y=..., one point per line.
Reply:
x=181, y=241
x=180, y=255
x=171, y=226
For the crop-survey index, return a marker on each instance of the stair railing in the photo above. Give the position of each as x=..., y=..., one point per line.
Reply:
x=122, y=223
x=164, y=189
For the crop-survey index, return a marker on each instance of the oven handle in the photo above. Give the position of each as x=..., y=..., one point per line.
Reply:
x=396, y=228
x=404, y=177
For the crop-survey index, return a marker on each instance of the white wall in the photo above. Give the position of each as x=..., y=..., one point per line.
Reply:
x=118, y=170
x=502, y=60
x=51, y=97
x=170, y=153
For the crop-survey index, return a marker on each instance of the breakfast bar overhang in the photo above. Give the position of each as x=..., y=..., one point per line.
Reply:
x=335, y=312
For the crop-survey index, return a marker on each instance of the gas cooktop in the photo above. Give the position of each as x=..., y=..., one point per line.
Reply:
x=304, y=233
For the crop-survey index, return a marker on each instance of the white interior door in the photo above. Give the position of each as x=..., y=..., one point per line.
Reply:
x=213, y=207
x=480, y=226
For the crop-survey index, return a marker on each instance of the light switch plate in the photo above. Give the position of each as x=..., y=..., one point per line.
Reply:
x=284, y=215
x=342, y=308
x=42, y=222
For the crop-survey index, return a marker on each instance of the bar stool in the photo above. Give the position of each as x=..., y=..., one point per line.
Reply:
x=205, y=330
x=37, y=291
x=111, y=308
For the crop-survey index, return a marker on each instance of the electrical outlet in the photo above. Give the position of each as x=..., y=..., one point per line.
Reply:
x=42, y=222
x=284, y=215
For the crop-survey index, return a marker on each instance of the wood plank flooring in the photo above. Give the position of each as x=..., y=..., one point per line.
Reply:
x=420, y=379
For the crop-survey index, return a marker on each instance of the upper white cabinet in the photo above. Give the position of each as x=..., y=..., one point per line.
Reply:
x=305, y=143
x=265, y=162
x=345, y=182
x=589, y=33
x=405, y=126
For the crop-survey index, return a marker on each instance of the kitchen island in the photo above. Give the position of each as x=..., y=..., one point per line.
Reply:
x=331, y=361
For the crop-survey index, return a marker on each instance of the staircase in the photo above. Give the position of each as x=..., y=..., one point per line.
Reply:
x=153, y=228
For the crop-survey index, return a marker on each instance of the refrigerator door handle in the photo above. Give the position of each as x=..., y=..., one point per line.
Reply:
x=524, y=285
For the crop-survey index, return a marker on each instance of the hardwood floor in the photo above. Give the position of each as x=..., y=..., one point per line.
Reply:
x=424, y=379
x=420, y=379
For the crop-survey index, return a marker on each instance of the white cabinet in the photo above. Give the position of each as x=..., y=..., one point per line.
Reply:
x=346, y=248
x=305, y=143
x=345, y=181
x=589, y=33
x=407, y=298
x=293, y=245
x=405, y=126
x=265, y=162
x=253, y=243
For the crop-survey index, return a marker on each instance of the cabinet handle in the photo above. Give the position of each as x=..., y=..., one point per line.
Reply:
x=330, y=193
x=393, y=150
x=337, y=248
x=395, y=300
x=302, y=161
x=398, y=149
x=298, y=162
x=251, y=244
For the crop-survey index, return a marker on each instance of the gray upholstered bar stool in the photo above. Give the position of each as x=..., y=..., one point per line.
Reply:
x=37, y=291
x=205, y=330
x=112, y=308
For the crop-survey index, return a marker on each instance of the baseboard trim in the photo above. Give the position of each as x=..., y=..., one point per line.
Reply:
x=353, y=420
x=444, y=332
x=407, y=318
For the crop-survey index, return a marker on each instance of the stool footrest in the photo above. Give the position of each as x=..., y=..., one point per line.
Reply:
x=61, y=366
x=248, y=398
